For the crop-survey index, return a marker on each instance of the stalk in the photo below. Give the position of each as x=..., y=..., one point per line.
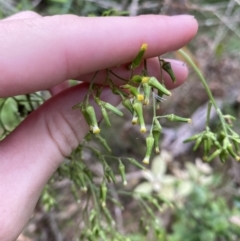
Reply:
x=204, y=82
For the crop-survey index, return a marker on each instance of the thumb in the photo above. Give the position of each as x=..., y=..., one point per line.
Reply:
x=34, y=150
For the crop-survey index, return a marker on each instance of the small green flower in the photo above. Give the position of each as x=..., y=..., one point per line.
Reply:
x=176, y=118
x=128, y=105
x=105, y=115
x=103, y=193
x=147, y=92
x=168, y=68
x=134, y=91
x=138, y=59
x=156, y=134
x=121, y=168
x=149, y=145
x=136, y=79
x=153, y=82
x=92, y=118
x=137, y=106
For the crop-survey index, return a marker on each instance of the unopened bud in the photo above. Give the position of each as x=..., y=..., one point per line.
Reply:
x=105, y=115
x=128, y=105
x=153, y=82
x=215, y=154
x=121, y=168
x=168, y=68
x=138, y=59
x=133, y=91
x=156, y=134
x=112, y=108
x=232, y=153
x=149, y=145
x=93, y=120
x=176, y=118
x=147, y=92
x=136, y=79
x=103, y=194
x=137, y=106
x=134, y=118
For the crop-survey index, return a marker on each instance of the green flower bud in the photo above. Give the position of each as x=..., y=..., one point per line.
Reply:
x=197, y=143
x=81, y=182
x=236, y=145
x=112, y=108
x=232, y=153
x=134, y=118
x=134, y=91
x=121, y=168
x=215, y=154
x=136, y=163
x=110, y=174
x=149, y=144
x=136, y=79
x=229, y=118
x=103, y=194
x=138, y=59
x=137, y=106
x=97, y=100
x=85, y=115
x=93, y=120
x=193, y=138
x=173, y=117
x=225, y=143
x=105, y=115
x=157, y=129
x=206, y=147
x=153, y=82
x=223, y=156
x=128, y=105
x=168, y=68
x=147, y=92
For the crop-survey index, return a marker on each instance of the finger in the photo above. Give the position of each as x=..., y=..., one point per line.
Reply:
x=33, y=151
x=179, y=68
x=39, y=53
x=59, y=88
x=22, y=15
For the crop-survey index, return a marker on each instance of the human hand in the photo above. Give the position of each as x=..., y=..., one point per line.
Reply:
x=38, y=53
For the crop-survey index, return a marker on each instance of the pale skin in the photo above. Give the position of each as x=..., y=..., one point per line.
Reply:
x=39, y=53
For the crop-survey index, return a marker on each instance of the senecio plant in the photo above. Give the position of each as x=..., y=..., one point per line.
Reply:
x=225, y=141
x=136, y=93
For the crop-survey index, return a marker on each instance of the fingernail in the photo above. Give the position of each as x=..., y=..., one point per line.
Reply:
x=184, y=16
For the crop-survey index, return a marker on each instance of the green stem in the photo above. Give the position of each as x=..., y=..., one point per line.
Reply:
x=154, y=110
x=208, y=114
x=95, y=200
x=161, y=72
x=90, y=89
x=204, y=82
x=117, y=76
x=30, y=102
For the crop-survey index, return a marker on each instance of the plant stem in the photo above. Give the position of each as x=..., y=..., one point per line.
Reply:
x=204, y=82
x=208, y=113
